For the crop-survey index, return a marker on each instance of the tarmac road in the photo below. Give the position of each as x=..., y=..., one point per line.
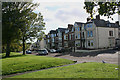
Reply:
x=108, y=57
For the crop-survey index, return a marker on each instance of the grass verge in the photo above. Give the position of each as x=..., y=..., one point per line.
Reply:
x=25, y=63
x=82, y=70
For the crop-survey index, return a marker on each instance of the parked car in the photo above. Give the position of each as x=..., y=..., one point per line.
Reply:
x=28, y=52
x=52, y=50
x=116, y=48
x=42, y=52
x=48, y=49
x=59, y=51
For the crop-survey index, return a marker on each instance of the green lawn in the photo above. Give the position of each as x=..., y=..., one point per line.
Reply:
x=12, y=54
x=82, y=70
x=18, y=63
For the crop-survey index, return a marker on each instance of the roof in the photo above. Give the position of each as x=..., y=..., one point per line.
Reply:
x=62, y=29
x=79, y=23
x=52, y=31
x=103, y=23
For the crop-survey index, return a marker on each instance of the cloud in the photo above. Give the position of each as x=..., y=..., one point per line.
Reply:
x=60, y=14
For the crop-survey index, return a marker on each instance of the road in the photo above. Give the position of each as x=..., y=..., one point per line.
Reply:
x=108, y=56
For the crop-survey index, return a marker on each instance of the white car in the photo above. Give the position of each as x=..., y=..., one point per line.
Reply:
x=52, y=50
x=42, y=52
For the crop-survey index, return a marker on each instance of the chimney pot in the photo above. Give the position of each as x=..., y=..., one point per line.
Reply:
x=88, y=19
x=98, y=17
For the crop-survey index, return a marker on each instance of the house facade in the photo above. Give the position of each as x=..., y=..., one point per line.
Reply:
x=78, y=34
x=94, y=34
x=54, y=39
x=68, y=37
x=100, y=34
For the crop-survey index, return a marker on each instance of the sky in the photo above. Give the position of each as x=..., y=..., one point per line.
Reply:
x=60, y=13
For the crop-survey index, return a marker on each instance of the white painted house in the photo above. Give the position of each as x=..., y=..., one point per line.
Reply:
x=100, y=34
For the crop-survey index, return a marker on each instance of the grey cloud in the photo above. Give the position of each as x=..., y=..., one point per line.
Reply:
x=64, y=15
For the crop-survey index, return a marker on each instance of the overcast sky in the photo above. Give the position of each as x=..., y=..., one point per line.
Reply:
x=61, y=13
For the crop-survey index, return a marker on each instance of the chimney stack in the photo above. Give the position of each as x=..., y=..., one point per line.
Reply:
x=117, y=22
x=70, y=26
x=98, y=17
x=88, y=19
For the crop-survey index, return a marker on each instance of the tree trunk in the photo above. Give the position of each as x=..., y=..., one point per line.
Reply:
x=8, y=49
x=23, y=46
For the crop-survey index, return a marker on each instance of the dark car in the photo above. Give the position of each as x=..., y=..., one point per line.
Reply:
x=28, y=52
x=59, y=51
x=42, y=52
x=116, y=48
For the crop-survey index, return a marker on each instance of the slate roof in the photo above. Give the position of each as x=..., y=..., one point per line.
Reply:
x=79, y=23
x=103, y=23
x=62, y=29
x=52, y=31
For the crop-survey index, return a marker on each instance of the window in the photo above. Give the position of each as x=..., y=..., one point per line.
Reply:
x=88, y=33
x=78, y=28
x=66, y=31
x=88, y=43
x=83, y=34
x=48, y=40
x=88, y=25
x=64, y=37
x=72, y=29
x=52, y=35
x=65, y=44
x=70, y=36
x=55, y=35
x=78, y=36
x=110, y=33
x=53, y=40
x=76, y=45
x=91, y=33
x=91, y=42
x=85, y=27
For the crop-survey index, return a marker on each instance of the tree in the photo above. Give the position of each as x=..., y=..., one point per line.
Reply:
x=32, y=28
x=89, y=6
x=19, y=21
x=103, y=8
x=10, y=30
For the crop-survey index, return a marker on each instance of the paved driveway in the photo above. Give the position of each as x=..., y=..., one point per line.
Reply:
x=110, y=56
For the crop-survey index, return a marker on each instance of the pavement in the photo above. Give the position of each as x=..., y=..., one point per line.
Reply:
x=109, y=56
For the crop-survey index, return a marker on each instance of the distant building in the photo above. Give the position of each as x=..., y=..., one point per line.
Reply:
x=68, y=37
x=35, y=46
x=54, y=38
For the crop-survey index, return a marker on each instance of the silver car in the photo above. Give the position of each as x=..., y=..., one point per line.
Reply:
x=42, y=52
x=52, y=50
